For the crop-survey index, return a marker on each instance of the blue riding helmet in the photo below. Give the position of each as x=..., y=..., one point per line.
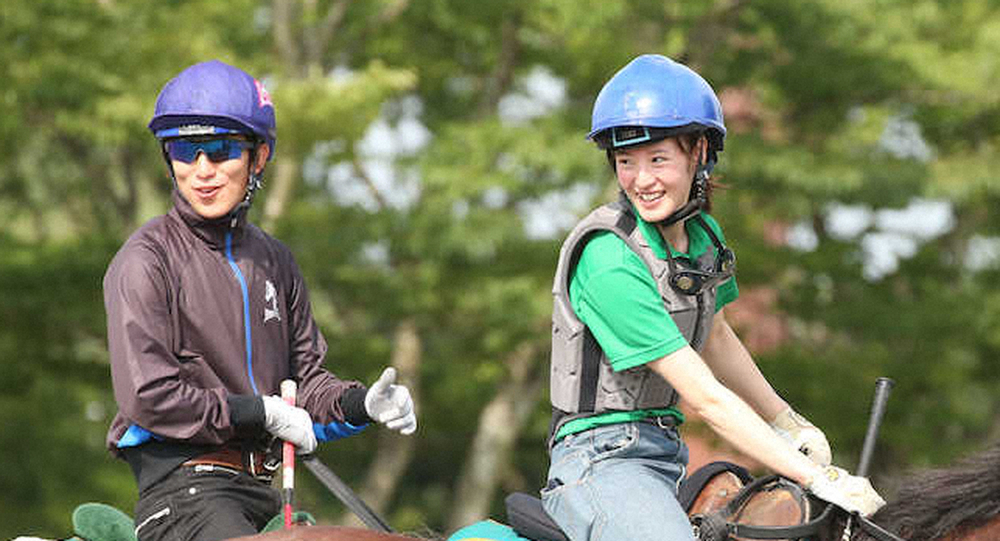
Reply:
x=651, y=98
x=214, y=98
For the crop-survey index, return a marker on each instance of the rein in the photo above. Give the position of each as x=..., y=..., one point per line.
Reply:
x=875, y=530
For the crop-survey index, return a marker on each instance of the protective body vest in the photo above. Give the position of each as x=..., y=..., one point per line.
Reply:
x=582, y=382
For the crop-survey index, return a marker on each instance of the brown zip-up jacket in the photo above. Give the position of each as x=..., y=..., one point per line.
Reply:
x=181, y=307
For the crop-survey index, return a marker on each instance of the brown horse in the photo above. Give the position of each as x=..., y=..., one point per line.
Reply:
x=326, y=533
x=956, y=503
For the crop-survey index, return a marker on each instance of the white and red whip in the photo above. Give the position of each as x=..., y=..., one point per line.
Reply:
x=288, y=390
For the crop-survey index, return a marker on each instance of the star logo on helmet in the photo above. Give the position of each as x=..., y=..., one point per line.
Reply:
x=264, y=99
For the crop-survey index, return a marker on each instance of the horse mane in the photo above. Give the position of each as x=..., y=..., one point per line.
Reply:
x=946, y=501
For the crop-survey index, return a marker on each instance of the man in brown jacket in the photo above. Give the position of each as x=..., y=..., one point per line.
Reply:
x=207, y=314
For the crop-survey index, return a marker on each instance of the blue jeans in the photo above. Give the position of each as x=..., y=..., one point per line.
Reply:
x=618, y=482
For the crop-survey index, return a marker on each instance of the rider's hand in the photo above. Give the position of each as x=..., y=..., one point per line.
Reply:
x=390, y=404
x=289, y=423
x=848, y=491
x=803, y=435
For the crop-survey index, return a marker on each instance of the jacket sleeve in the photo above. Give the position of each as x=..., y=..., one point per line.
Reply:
x=328, y=399
x=146, y=374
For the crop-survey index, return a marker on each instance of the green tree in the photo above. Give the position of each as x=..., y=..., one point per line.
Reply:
x=424, y=181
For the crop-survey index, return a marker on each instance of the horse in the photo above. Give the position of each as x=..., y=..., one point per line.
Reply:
x=960, y=502
x=328, y=533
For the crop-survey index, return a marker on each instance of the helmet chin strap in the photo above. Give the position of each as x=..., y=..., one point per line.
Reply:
x=696, y=200
x=254, y=183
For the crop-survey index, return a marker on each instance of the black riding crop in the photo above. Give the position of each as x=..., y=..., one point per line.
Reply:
x=344, y=493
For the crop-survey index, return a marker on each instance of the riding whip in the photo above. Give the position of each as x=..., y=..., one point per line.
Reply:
x=334, y=484
x=882, y=388
x=288, y=389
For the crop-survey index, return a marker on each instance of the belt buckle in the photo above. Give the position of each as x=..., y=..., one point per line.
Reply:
x=666, y=425
x=261, y=466
x=270, y=464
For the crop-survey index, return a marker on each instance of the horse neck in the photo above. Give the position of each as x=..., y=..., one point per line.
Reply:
x=960, y=502
x=987, y=532
x=327, y=533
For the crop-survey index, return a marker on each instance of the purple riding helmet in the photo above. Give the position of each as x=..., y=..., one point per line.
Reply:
x=214, y=98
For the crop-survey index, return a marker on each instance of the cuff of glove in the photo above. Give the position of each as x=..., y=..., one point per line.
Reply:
x=789, y=421
x=352, y=402
x=246, y=414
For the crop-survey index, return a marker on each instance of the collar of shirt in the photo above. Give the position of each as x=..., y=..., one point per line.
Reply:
x=698, y=240
x=212, y=231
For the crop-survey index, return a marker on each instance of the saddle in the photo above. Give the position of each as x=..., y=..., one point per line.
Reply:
x=724, y=503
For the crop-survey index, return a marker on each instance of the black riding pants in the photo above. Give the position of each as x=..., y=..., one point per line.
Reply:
x=204, y=504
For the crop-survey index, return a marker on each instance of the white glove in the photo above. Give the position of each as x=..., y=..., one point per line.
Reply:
x=853, y=493
x=391, y=404
x=803, y=435
x=289, y=423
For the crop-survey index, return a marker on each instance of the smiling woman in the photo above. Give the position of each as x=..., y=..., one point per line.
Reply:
x=639, y=321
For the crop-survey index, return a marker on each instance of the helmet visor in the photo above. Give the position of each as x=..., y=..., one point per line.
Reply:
x=626, y=136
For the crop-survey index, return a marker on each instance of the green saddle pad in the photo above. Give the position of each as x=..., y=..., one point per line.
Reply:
x=101, y=522
x=298, y=517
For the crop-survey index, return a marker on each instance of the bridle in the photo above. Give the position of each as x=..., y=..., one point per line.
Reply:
x=718, y=525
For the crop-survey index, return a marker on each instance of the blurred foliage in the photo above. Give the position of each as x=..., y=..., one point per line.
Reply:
x=812, y=91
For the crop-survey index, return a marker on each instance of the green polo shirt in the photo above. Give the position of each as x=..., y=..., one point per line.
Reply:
x=613, y=293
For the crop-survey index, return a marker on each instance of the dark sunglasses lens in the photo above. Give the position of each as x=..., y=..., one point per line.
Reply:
x=223, y=149
x=181, y=150
x=216, y=150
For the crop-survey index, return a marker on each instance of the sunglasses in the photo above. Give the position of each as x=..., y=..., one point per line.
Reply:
x=216, y=150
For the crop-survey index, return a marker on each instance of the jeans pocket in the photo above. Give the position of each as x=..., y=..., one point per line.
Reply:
x=614, y=441
x=158, y=524
x=552, y=487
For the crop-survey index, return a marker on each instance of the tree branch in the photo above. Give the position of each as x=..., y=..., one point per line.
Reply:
x=280, y=193
x=324, y=32
x=501, y=78
x=360, y=171
x=500, y=423
x=391, y=12
x=284, y=37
